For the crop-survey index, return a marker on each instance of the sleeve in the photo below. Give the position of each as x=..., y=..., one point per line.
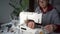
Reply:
x=56, y=20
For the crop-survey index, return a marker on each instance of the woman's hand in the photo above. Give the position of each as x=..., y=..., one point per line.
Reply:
x=50, y=28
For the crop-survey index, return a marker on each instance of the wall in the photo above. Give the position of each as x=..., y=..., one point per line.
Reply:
x=5, y=10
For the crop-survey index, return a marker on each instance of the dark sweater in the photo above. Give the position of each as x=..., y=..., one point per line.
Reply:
x=50, y=17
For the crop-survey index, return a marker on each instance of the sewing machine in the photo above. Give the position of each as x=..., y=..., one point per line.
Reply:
x=30, y=15
x=34, y=16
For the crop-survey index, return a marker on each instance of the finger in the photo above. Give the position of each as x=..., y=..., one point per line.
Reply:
x=46, y=26
x=49, y=28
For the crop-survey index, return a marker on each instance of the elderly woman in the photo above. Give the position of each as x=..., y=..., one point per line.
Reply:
x=50, y=17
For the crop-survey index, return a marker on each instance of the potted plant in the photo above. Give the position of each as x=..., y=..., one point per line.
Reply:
x=19, y=6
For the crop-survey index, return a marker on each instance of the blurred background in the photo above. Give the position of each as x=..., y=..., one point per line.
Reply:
x=10, y=9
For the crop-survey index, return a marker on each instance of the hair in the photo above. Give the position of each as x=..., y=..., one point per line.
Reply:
x=29, y=20
x=38, y=1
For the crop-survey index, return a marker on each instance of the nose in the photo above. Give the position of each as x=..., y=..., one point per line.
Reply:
x=42, y=2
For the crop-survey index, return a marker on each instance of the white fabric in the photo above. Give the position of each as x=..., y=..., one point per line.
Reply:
x=31, y=31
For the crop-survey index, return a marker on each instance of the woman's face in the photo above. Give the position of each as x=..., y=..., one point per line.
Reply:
x=31, y=25
x=43, y=3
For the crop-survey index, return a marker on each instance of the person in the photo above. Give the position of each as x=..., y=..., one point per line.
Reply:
x=50, y=18
x=32, y=27
x=30, y=23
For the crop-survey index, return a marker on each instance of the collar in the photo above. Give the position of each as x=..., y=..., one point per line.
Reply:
x=50, y=7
